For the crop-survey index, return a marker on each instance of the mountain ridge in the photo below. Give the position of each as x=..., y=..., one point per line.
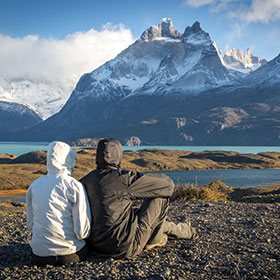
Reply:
x=15, y=116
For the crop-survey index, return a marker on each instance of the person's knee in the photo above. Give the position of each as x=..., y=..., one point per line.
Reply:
x=159, y=202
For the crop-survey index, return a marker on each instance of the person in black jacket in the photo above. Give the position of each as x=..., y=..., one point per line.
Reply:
x=118, y=228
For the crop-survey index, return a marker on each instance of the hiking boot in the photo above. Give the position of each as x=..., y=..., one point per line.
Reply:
x=162, y=242
x=193, y=230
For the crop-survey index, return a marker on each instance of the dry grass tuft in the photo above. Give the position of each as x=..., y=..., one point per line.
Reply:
x=214, y=191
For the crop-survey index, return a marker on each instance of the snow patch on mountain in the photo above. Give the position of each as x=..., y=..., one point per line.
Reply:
x=12, y=107
x=44, y=98
x=133, y=83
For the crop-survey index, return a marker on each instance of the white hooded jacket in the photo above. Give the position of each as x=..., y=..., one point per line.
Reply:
x=58, y=213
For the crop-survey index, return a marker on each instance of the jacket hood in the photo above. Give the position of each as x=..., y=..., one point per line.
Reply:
x=61, y=158
x=109, y=153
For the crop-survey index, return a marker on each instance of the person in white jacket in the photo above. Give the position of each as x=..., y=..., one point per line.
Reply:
x=58, y=212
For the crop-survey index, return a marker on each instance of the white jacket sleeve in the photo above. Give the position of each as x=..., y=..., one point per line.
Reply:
x=29, y=210
x=81, y=213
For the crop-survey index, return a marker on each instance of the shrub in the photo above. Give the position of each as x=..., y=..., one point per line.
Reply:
x=214, y=191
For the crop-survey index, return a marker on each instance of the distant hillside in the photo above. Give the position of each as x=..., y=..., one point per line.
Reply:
x=15, y=116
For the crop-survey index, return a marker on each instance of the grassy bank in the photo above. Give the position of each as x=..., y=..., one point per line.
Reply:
x=219, y=191
x=214, y=191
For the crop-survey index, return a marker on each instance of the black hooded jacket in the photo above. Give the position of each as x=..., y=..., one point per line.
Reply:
x=111, y=192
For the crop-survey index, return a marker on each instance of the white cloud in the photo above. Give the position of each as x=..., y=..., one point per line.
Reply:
x=262, y=11
x=61, y=61
x=248, y=11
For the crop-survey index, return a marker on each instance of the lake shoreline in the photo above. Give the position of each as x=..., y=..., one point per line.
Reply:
x=17, y=173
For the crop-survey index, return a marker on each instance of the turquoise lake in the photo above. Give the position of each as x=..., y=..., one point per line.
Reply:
x=19, y=148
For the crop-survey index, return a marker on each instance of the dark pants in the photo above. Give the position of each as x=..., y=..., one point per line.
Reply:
x=60, y=260
x=152, y=225
x=151, y=216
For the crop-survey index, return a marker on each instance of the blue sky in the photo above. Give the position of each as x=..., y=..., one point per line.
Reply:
x=69, y=37
x=58, y=18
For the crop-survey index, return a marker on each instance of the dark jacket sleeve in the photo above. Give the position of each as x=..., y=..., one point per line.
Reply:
x=151, y=185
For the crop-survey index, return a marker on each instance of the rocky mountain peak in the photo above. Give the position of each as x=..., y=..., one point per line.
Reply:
x=196, y=27
x=164, y=29
x=246, y=62
x=193, y=29
x=196, y=34
x=238, y=54
x=249, y=52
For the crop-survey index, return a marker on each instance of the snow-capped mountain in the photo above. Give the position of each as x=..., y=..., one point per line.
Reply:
x=44, y=98
x=169, y=88
x=246, y=62
x=162, y=61
x=16, y=116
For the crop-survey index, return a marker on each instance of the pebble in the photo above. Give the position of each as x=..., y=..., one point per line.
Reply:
x=236, y=241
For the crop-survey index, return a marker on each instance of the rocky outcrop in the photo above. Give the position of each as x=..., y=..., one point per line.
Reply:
x=133, y=141
x=164, y=29
x=86, y=142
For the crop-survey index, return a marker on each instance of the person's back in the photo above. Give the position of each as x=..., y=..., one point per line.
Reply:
x=118, y=229
x=57, y=210
x=112, y=208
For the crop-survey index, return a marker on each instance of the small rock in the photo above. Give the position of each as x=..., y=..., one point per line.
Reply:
x=166, y=272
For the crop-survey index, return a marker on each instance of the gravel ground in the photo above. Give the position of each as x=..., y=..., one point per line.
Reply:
x=236, y=241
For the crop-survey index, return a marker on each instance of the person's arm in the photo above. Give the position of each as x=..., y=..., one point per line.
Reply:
x=29, y=210
x=150, y=185
x=81, y=212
